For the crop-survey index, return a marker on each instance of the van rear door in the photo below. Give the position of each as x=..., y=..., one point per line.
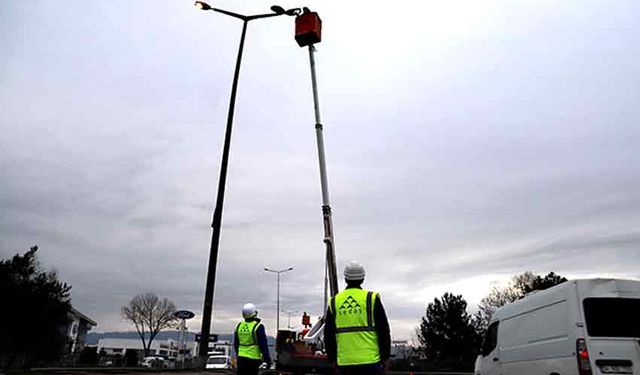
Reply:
x=613, y=328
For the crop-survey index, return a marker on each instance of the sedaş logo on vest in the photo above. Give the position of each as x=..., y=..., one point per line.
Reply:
x=349, y=307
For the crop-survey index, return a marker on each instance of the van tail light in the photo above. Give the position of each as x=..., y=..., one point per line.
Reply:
x=584, y=366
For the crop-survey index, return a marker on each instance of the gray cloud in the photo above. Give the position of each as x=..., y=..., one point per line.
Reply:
x=465, y=143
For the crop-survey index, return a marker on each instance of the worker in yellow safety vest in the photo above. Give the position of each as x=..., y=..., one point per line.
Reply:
x=356, y=333
x=250, y=342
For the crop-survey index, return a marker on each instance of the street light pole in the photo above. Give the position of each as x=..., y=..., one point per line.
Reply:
x=289, y=313
x=278, y=295
x=216, y=224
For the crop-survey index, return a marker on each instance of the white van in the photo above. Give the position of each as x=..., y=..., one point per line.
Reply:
x=580, y=327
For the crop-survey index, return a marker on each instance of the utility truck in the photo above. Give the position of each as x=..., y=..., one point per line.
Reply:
x=580, y=327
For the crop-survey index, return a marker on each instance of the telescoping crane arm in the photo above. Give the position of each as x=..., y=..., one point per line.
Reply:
x=331, y=254
x=308, y=33
x=326, y=206
x=324, y=184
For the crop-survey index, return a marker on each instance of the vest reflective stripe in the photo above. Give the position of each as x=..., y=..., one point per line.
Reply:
x=356, y=335
x=355, y=329
x=247, y=340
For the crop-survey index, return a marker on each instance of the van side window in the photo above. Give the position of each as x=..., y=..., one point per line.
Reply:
x=490, y=339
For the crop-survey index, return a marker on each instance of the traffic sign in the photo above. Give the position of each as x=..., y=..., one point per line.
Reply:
x=184, y=314
x=212, y=337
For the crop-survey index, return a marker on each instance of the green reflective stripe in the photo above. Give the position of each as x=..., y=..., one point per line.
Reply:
x=355, y=329
x=253, y=334
x=369, y=310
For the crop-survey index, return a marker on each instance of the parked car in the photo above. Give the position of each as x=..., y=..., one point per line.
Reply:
x=581, y=327
x=155, y=362
x=218, y=362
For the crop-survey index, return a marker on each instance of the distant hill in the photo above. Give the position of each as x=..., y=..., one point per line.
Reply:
x=94, y=337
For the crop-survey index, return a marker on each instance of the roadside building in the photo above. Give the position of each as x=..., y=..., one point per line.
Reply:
x=75, y=330
x=168, y=348
x=400, y=349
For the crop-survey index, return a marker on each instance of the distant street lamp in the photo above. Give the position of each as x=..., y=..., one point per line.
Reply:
x=289, y=313
x=217, y=213
x=278, y=295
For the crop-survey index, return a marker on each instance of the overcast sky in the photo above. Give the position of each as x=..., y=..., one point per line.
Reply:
x=467, y=141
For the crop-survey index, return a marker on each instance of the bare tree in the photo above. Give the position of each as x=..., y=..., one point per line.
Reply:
x=149, y=314
x=519, y=286
x=501, y=296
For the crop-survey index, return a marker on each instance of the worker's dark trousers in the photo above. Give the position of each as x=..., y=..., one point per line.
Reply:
x=375, y=369
x=248, y=366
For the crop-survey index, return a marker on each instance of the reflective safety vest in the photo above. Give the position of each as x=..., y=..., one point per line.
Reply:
x=356, y=335
x=247, y=340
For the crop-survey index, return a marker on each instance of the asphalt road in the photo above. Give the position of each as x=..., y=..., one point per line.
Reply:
x=108, y=371
x=125, y=371
x=140, y=371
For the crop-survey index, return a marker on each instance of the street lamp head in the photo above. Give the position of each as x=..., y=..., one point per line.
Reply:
x=278, y=9
x=202, y=5
x=267, y=269
x=290, y=269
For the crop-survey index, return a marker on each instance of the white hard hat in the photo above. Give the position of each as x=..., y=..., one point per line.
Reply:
x=249, y=311
x=354, y=271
